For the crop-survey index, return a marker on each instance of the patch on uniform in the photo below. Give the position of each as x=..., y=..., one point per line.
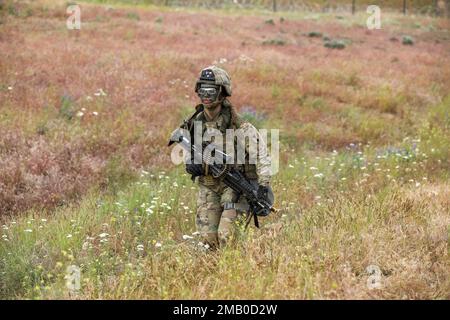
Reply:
x=202, y=220
x=208, y=75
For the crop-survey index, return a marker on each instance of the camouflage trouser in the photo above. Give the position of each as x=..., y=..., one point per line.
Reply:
x=215, y=225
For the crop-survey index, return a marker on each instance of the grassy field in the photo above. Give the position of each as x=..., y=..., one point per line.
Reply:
x=86, y=177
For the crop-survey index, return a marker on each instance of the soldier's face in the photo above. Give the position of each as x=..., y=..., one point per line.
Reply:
x=208, y=94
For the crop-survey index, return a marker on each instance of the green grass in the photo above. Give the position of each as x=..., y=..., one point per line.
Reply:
x=341, y=213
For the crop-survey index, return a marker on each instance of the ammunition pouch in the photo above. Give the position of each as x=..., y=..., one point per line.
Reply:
x=240, y=207
x=249, y=170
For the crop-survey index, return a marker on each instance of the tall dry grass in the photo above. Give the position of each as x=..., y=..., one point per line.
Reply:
x=364, y=153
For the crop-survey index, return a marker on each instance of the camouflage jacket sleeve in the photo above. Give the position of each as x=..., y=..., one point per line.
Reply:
x=255, y=145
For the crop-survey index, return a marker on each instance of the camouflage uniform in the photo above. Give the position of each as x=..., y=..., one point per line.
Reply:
x=217, y=203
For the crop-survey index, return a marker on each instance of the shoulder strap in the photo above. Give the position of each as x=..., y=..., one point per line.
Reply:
x=187, y=123
x=198, y=110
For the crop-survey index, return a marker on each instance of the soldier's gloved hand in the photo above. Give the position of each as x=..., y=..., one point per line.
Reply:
x=263, y=192
x=194, y=169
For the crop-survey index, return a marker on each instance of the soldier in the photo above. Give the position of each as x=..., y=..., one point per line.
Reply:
x=217, y=204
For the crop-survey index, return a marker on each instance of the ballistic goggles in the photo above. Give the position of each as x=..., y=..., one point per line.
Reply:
x=210, y=92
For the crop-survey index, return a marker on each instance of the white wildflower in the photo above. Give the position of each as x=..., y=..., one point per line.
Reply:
x=245, y=58
x=100, y=92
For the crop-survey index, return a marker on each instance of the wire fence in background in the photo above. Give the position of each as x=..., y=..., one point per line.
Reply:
x=427, y=7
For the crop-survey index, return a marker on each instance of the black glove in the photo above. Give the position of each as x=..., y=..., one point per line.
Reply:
x=263, y=192
x=194, y=169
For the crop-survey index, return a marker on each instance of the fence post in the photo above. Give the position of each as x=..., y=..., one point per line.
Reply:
x=447, y=8
x=353, y=6
x=274, y=5
x=404, y=7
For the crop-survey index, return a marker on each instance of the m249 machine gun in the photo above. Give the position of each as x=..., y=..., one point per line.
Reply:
x=258, y=205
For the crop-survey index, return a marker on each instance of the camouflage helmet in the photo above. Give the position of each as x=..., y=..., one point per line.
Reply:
x=217, y=76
